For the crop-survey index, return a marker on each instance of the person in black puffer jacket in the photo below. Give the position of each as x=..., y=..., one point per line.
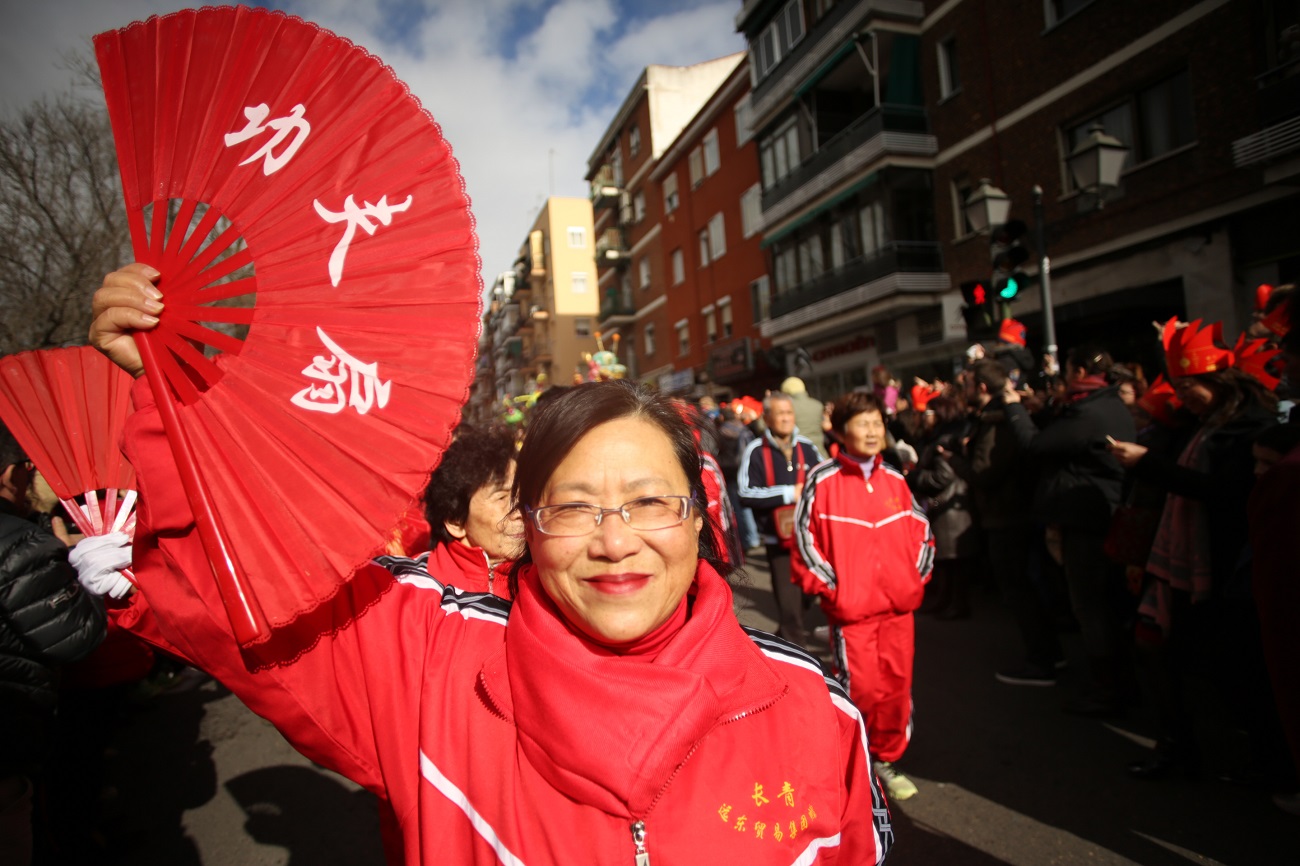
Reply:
x=1079, y=487
x=947, y=499
x=46, y=620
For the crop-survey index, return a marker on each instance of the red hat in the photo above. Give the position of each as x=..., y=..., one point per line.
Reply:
x=1253, y=358
x=1160, y=401
x=1262, y=291
x=1191, y=350
x=1279, y=319
x=1012, y=332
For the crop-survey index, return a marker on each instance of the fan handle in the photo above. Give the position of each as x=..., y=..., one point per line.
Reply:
x=242, y=607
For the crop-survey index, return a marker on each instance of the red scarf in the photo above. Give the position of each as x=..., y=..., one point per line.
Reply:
x=609, y=729
x=1077, y=389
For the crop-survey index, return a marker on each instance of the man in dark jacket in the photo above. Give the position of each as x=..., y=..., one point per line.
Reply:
x=996, y=468
x=46, y=620
x=1079, y=487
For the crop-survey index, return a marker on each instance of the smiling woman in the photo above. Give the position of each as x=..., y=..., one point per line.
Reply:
x=615, y=712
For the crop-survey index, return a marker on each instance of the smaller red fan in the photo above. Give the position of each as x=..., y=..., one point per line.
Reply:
x=66, y=408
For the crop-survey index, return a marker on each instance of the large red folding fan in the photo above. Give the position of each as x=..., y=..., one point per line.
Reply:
x=322, y=290
x=66, y=408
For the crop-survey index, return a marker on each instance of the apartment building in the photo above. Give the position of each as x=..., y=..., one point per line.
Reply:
x=542, y=316
x=846, y=156
x=715, y=266
x=629, y=212
x=1204, y=95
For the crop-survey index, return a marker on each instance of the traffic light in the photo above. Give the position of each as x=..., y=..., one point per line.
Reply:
x=1007, y=252
x=1009, y=285
x=978, y=311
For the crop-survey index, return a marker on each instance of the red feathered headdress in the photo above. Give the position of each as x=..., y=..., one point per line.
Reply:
x=1161, y=401
x=1262, y=291
x=1012, y=332
x=1191, y=350
x=1279, y=320
x=1253, y=358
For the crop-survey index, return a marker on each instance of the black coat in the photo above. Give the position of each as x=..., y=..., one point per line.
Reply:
x=1079, y=482
x=995, y=466
x=946, y=494
x=46, y=620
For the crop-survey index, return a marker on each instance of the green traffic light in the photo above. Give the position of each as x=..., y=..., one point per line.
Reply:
x=1010, y=289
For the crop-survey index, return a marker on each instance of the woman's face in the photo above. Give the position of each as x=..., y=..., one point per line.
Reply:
x=492, y=524
x=864, y=434
x=1195, y=394
x=1127, y=393
x=617, y=584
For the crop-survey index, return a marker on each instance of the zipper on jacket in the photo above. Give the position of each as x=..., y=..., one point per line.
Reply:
x=638, y=836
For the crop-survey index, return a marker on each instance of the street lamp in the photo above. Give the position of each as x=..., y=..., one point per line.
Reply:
x=1095, y=164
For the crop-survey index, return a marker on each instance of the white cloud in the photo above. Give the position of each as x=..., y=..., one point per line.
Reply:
x=522, y=88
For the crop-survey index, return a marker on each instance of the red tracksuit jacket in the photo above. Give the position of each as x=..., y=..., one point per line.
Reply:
x=500, y=736
x=863, y=543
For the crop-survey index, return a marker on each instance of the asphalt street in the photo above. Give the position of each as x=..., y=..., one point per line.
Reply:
x=1005, y=776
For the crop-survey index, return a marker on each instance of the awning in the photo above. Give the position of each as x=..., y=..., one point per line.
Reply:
x=825, y=69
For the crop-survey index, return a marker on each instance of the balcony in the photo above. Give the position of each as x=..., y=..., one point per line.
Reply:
x=611, y=248
x=605, y=190
x=839, y=25
x=615, y=309
x=514, y=348
x=897, y=129
x=901, y=257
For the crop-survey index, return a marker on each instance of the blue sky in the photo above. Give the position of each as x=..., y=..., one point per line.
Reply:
x=523, y=89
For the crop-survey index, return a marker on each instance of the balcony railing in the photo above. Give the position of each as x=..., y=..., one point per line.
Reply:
x=610, y=248
x=879, y=120
x=615, y=305
x=903, y=256
x=605, y=191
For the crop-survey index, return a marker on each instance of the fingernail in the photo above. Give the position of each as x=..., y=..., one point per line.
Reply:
x=151, y=273
x=151, y=320
x=153, y=306
x=153, y=292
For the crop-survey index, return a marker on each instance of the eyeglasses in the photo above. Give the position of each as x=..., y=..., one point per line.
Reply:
x=578, y=518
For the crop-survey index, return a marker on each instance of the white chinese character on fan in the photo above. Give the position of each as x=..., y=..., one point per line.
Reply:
x=356, y=216
x=362, y=391
x=257, y=123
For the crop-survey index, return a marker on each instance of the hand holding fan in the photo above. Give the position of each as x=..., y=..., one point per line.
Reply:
x=66, y=408
x=283, y=181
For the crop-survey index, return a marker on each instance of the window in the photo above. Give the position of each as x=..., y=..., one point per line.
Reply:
x=929, y=326
x=777, y=38
x=961, y=190
x=634, y=140
x=760, y=299
x=648, y=340
x=616, y=166
x=696, y=162
x=717, y=236
x=949, y=72
x=683, y=338
x=724, y=311
x=872, y=219
x=578, y=282
x=744, y=112
x=577, y=237
x=1055, y=11
x=787, y=273
x=710, y=326
x=704, y=247
x=670, y=193
x=1152, y=122
x=779, y=153
x=625, y=286
x=638, y=207
x=679, y=267
x=643, y=269
x=887, y=337
x=582, y=326
x=751, y=210
x=811, y=264
x=712, y=160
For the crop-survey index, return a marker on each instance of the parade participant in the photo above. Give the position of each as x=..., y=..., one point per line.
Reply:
x=1200, y=601
x=1079, y=487
x=601, y=717
x=477, y=532
x=772, y=474
x=865, y=547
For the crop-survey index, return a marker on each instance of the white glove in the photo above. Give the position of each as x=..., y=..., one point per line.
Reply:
x=99, y=561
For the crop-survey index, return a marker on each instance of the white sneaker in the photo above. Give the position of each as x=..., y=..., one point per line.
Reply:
x=898, y=786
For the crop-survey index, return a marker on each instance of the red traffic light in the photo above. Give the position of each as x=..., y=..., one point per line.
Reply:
x=979, y=294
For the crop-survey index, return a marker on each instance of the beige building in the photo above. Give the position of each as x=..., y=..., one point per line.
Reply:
x=543, y=321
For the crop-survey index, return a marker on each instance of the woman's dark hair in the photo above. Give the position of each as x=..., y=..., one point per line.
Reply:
x=558, y=426
x=476, y=458
x=990, y=374
x=946, y=410
x=855, y=403
x=1092, y=360
x=1234, y=392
